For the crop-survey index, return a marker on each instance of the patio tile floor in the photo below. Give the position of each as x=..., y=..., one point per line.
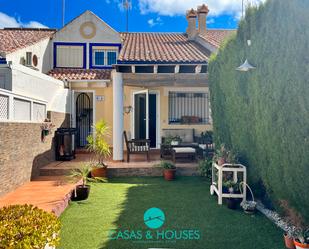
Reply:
x=50, y=193
x=52, y=190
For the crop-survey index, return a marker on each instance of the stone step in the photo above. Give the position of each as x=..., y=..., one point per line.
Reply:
x=124, y=171
x=149, y=171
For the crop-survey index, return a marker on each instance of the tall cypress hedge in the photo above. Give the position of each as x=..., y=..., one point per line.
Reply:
x=264, y=113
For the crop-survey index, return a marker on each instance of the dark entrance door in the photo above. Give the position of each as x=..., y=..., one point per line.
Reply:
x=153, y=120
x=140, y=121
x=83, y=119
x=145, y=116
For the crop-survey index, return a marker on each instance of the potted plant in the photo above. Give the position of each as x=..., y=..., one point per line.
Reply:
x=46, y=128
x=231, y=188
x=97, y=144
x=169, y=170
x=232, y=157
x=81, y=192
x=172, y=140
x=289, y=236
x=301, y=239
x=249, y=207
x=26, y=226
x=204, y=167
x=221, y=155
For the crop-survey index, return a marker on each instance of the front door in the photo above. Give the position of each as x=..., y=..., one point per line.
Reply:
x=83, y=110
x=145, y=116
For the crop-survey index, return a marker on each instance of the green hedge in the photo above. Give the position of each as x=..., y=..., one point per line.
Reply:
x=264, y=113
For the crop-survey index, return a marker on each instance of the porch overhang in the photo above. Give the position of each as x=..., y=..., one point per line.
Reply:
x=154, y=75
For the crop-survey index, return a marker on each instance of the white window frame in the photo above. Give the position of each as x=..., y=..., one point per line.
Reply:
x=105, y=56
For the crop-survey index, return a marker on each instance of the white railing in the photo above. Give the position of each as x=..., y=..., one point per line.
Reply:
x=14, y=107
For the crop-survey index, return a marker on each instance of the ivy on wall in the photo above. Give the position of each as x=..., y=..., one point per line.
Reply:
x=264, y=113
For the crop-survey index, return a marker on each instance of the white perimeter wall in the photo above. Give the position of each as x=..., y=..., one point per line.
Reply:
x=30, y=83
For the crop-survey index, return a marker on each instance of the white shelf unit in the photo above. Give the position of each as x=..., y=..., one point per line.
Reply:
x=216, y=186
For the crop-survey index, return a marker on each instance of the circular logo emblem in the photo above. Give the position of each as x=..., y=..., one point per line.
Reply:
x=154, y=218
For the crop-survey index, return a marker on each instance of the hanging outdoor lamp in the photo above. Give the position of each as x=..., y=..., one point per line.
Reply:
x=246, y=66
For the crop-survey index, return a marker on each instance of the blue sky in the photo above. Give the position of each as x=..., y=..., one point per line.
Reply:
x=145, y=15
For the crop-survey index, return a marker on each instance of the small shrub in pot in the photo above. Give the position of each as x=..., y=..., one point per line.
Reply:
x=169, y=170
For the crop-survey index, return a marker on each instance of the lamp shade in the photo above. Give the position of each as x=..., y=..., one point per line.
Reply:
x=245, y=67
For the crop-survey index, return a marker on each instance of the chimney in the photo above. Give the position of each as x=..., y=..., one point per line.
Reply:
x=202, y=12
x=191, y=30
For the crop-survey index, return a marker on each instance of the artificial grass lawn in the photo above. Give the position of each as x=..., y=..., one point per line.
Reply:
x=187, y=204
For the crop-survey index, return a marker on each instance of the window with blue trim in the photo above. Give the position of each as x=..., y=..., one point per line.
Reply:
x=99, y=58
x=104, y=57
x=111, y=58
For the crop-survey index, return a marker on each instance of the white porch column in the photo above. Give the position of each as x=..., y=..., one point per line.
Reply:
x=117, y=116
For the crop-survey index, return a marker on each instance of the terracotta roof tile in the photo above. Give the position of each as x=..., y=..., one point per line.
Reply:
x=161, y=48
x=13, y=39
x=80, y=74
x=216, y=36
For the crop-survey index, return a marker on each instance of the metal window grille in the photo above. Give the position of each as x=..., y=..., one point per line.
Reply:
x=22, y=109
x=4, y=107
x=39, y=112
x=188, y=108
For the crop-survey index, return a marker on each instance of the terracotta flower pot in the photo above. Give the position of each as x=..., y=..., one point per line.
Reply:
x=99, y=172
x=299, y=245
x=221, y=161
x=289, y=242
x=169, y=174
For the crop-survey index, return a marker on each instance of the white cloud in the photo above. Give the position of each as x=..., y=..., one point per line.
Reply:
x=179, y=7
x=154, y=22
x=210, y=21
x=34, y=24
x=11, y=22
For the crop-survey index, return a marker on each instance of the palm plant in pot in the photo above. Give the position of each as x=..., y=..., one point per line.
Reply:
x=98, y=145
x=301, y=239
x=169, y=170
x=81, y=192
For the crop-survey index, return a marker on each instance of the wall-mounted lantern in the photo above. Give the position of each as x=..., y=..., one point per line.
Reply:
x=127, y=109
